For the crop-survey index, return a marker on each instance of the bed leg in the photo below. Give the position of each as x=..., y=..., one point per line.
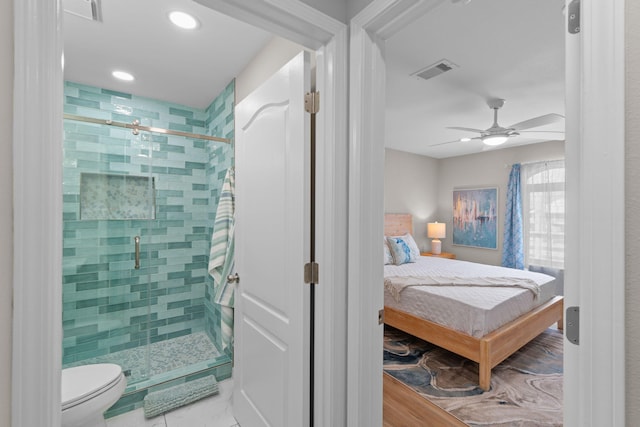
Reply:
x=561, y=321
x=485, y=376
x=484, y=366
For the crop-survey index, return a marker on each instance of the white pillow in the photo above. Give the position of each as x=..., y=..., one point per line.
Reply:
x=403, y=249
x=388, y=259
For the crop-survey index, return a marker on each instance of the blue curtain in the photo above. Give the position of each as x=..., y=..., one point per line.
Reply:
x=513, y=246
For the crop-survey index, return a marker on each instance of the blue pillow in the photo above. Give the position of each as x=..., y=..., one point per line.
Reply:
x=401, y=249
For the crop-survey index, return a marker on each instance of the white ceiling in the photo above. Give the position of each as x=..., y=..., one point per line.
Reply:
x=509, y=49
x=170, y=64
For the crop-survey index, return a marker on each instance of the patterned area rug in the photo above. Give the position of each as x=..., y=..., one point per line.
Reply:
x=526, y=389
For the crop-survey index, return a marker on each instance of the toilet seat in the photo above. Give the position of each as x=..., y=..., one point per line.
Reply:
x=83, y=383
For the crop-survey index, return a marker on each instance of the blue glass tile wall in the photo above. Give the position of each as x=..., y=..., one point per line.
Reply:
x=220, y=121
x=107, y=304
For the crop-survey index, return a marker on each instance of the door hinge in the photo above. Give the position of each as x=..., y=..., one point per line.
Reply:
x=312, y=102
x=572, y=325
x=381, y=316
x=311, y=272
x=573, y=17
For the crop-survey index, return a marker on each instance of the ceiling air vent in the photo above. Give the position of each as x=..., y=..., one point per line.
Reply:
x=88, y=9
x=436, y=69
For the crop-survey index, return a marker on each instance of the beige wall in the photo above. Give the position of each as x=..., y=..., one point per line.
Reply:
x=411, y=186
x=6, y=207
x=422, y=186
x=271, y=58
x=488, y=169
x=632, y=189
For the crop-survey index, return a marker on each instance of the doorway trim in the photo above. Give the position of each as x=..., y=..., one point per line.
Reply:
x=599, y=206
x=37, y=164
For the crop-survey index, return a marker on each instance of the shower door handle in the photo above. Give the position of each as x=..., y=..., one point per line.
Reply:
x=137, y=244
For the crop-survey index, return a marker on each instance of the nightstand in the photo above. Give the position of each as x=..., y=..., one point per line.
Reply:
x=440, y=255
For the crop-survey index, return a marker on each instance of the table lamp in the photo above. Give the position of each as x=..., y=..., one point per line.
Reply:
x=435, y=231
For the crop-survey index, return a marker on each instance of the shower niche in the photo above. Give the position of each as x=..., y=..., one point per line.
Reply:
x=159, y=321
x=109, y=197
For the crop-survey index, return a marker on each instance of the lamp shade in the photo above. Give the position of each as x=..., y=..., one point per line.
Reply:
x=436, y=230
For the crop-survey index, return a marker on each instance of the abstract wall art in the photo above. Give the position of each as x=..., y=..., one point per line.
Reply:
x=475, y=217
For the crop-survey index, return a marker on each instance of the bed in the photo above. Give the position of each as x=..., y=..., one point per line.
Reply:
x=499, y=335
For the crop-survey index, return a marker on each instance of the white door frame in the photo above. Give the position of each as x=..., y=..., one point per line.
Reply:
x=594, y=371
x=37, y=164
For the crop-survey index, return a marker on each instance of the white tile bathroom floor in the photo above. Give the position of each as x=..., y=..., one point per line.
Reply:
x=213, y=411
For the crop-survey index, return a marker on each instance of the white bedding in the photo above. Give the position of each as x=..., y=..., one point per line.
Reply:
x=474, y=310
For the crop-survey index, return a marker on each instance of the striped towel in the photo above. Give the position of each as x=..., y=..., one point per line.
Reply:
x=221, y=255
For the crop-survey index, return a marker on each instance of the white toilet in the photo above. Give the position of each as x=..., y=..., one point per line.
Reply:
x=88, y=391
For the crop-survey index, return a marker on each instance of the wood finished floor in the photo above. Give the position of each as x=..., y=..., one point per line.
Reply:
x=403, y=407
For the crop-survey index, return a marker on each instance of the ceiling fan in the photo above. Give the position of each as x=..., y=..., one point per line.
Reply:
x=497, y=135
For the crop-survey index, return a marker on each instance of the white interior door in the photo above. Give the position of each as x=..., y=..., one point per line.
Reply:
x=594, y=370
x=271, y=369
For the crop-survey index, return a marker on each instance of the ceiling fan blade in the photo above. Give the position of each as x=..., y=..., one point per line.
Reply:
x=443, y=143
x=542, y=134
x=547, y=119
x=451, y=142
x=467, y=129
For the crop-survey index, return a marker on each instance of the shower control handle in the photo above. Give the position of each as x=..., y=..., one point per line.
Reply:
x=233, y=278
x=137, y=243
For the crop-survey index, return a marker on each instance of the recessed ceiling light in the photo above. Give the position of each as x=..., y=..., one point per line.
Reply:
x=123, y=75
x=183, y=20
x=465, y=139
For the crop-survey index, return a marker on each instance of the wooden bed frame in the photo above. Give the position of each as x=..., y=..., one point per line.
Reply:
x=489, y=350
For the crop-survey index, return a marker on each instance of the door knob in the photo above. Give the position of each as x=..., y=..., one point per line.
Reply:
x=233, y=278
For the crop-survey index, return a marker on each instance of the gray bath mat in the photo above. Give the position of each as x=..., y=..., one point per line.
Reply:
x=161, y=401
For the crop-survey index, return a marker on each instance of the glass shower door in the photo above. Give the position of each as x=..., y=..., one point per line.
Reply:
x=106, y=204
x=182, y=318
x=139, y=209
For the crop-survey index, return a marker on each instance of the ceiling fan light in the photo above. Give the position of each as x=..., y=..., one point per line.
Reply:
x=494, y=139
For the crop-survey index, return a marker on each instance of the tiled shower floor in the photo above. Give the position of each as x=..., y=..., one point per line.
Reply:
x=189, y=353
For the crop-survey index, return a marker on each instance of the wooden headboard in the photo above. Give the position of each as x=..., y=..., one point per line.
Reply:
x=398, y=224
